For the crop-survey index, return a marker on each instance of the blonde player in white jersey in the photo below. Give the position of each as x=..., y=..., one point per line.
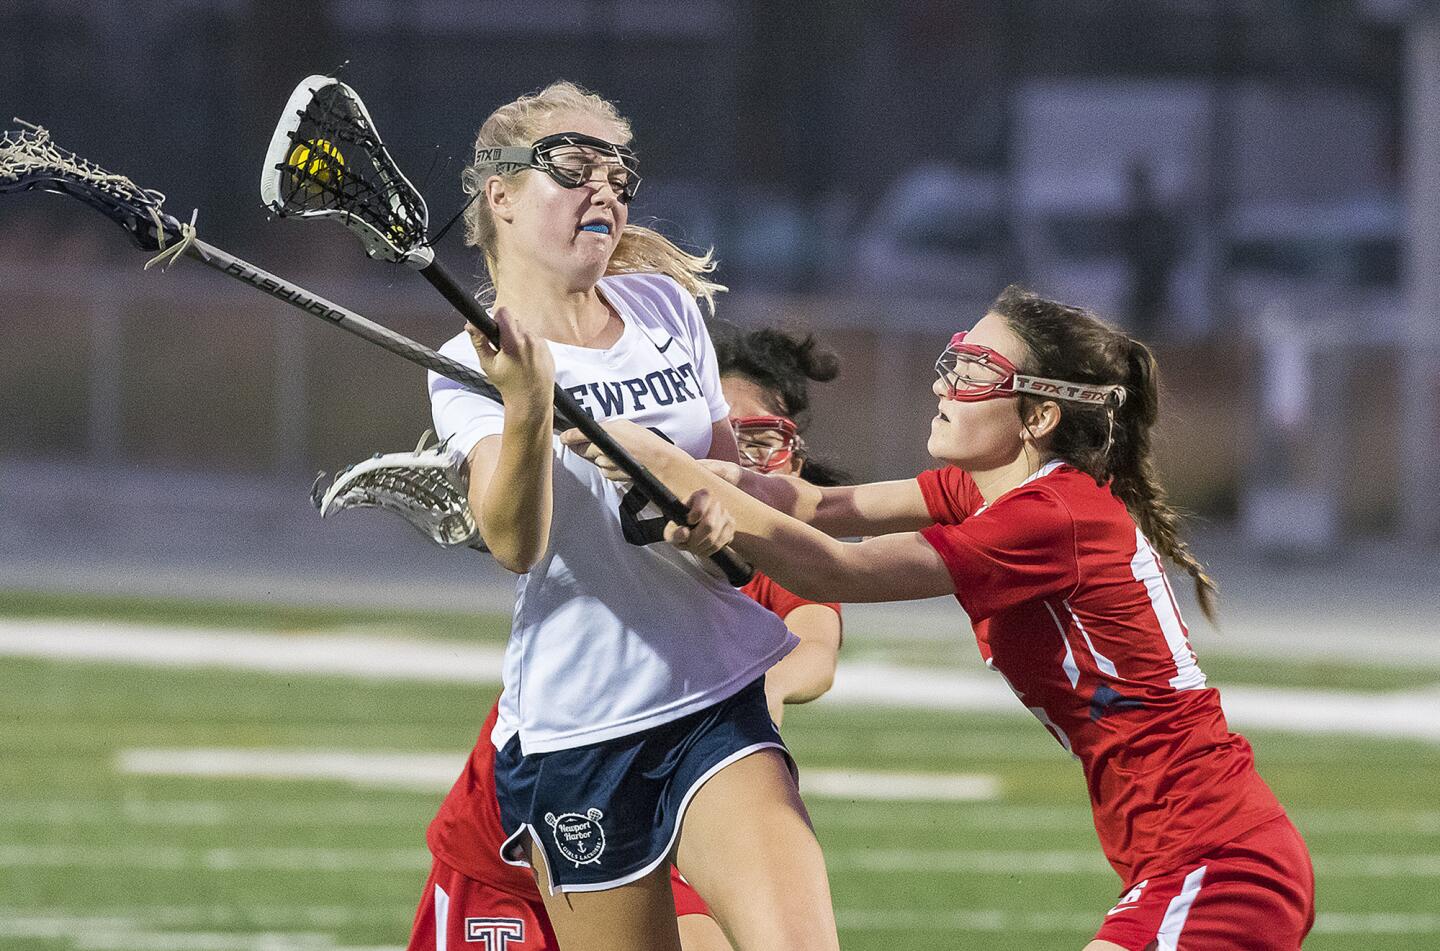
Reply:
x=633, y=726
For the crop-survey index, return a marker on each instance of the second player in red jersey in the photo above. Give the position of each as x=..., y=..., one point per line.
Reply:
x=1049, y=527
x=1105, y=663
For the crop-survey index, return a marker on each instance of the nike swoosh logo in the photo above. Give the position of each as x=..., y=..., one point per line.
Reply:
x=667, y=345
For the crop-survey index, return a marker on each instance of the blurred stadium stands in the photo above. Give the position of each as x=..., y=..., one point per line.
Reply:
x=875, y=173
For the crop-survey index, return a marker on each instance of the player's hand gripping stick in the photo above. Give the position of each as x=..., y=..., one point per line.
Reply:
x=736, y=570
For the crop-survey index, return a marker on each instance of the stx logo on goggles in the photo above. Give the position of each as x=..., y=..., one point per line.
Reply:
x=571, y=159
x=1079, y=393
x=973, y=373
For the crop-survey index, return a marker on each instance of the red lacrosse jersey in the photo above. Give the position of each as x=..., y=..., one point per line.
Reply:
x=466, y=833
x=770, y=595
x=1071, y=605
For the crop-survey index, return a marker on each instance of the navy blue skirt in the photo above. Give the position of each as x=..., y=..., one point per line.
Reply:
x=608, y=813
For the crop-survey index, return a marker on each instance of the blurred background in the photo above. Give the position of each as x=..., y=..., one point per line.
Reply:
x=1253, y=188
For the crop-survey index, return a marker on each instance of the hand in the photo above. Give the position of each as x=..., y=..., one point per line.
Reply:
x=522, y=368
x=731, y=472
x=642, y=445
x=709, y=527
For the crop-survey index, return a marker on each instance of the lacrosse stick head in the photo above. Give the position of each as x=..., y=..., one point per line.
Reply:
x=426, y=487
x=30, y=161
x=326, y=160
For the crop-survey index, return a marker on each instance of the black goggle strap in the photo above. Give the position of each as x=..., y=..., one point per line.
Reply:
x=506, y=159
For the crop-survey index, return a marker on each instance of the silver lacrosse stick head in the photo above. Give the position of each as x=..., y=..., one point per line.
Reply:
x=326, y=160
x=426, y=487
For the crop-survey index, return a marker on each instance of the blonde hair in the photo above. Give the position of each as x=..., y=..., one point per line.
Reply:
x=639, y=250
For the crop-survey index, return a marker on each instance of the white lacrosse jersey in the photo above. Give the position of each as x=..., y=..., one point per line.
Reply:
x=616, y=631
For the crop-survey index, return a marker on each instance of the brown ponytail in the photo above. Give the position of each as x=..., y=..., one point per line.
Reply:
x=1132, y=470
x=1110, y=443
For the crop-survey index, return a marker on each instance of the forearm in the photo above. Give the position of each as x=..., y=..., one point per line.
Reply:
x=792, y=496
x=768, y=537
x=515, y=503
x=895, y=567
x=875, y=508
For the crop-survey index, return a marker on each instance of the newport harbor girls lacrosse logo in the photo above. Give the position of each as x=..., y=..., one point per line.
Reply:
x=579, y=838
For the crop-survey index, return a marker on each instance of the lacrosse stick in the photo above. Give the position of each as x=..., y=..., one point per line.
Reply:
x=29, y=161
x=326, y=161
x=426, y=487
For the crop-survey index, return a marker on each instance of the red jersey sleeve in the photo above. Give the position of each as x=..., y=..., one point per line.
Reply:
x=950, y=494
x=1020, y=549
x=770, y=595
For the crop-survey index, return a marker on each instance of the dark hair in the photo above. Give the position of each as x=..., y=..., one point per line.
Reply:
x=1110, y=443
x=783, y=365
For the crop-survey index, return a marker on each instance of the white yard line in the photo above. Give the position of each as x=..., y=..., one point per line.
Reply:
x=1369, y=823
x=202, y=813
x=320, y=860
x=94, y=933
x=1412, y=714
x=211, y=916
x=847, y=811
x=342, y=655
x=424, y=772
x=214, y=941
x=1079, y=922
x=1078, y=862
x=176, y=859
x=126, y=929
x=437, y=771
x=891, y=787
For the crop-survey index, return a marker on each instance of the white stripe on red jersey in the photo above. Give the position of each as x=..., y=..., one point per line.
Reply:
x=1121, y=689
x=1146, y=568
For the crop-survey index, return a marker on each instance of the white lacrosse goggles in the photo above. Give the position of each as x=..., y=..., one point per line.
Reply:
x=973, y=373
x=767, y=443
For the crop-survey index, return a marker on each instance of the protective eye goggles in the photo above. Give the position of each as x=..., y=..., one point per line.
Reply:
x=973, y=373
x=767, y=443
x=571, y=160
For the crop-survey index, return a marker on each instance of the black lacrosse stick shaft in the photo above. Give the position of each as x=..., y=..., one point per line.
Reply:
x=737, y=572
x=317, y=306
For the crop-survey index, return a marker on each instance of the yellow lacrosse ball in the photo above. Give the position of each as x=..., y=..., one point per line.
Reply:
x=316, y=162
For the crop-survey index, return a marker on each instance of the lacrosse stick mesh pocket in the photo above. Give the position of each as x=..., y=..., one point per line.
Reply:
x=426, y=488
x=29, y=160
x=331, y=161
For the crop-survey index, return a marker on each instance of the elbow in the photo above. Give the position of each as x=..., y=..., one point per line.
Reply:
x=815, y=684
x=518, y=544
x=517, y=558
x=826, y=680
x=519, y=566
x=515, y=554
x=820, y=684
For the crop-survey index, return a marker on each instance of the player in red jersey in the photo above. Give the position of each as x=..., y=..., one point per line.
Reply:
x=1048, y=526
x=765, y=375
x=472, y=894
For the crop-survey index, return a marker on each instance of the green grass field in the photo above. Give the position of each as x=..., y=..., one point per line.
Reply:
x=95, y=858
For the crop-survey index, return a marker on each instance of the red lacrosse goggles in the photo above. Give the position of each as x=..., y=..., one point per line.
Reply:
x=973, y=373
x=767, y=443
